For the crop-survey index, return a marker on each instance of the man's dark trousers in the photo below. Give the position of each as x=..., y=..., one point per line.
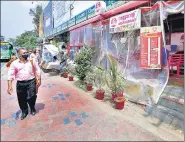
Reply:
x=26, y=93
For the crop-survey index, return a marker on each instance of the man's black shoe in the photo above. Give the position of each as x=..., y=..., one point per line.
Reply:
x=24, y=114
x=33, y=111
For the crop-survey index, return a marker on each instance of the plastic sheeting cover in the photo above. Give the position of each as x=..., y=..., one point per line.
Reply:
x=52, y=49
x=143, y=85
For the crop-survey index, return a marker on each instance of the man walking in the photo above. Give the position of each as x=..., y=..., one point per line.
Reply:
x=27, y=73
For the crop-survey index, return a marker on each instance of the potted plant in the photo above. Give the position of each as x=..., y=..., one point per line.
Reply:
x=83, y=62
x=71, y=73
x=99, y=82
x=89, y=79
x=65, y=72
x=115, y=82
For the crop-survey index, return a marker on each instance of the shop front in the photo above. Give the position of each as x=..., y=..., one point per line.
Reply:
x=135, y=38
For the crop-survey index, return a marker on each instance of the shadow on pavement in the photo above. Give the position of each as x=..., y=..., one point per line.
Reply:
x=39, y=106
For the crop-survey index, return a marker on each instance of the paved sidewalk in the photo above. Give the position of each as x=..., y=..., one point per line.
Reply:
x=65, y=113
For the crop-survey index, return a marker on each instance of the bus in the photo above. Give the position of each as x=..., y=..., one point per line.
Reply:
x=6, y=51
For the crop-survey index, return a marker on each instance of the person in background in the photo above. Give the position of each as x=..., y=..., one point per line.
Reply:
x=28, y=81
x=33, y=55
x=54, y=58
x=63, y=62
x=13, y=56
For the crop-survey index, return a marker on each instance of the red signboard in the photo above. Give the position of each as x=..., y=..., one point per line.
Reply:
x=150, y=47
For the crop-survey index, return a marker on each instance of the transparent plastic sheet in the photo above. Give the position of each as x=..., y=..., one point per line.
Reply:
x=46, y=55
x=143, y=85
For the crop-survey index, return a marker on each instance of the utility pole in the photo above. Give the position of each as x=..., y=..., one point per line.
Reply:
x=71, y=8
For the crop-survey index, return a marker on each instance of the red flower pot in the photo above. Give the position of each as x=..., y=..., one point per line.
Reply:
x=117, y=95
x=70, y=78
x=119, y=102
x=89, y=87
x=65, y=75
x=100, y=94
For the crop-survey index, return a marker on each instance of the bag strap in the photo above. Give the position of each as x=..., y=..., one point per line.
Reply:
x=33, y=68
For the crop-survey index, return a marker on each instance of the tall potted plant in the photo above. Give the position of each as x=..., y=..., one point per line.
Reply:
x=89, y=79
x=65, y=72
x=115, y=82
x=99, y=79
x=71, y=73
x=83, y=62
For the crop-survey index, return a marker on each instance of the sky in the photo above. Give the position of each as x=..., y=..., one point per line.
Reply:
x=15, y=18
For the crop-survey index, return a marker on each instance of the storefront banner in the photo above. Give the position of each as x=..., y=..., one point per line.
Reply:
x=110, y=4
x=48, y=22
x=61, y=12
x=126, y=21
x=100, y=7
x=150, y=47
x=71, y=22
x=91, y=12
x=81, y=17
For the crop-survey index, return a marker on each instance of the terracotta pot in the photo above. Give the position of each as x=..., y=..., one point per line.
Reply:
x=100, y=94
x=89, y=87
x=117, y=95
x=70, y=78
x=119, y=102
x=65, y=75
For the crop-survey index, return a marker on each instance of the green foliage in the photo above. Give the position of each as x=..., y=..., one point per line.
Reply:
x=114, y=79
x=99, y=79
x=71, y=70
x=83, y=62
x=66, y=70
x=90, y=76
x=55, y=43
x=28, y=39
x=35, y=13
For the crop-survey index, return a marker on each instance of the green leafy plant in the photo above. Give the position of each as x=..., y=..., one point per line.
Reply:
x=89, y=79
x=83, y=62
x=99, y=80
x=114, y=79
x=72, y=71
x=66, y=70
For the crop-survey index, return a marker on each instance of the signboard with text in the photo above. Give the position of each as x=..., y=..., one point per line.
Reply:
x=126, y=21
x=64, y=26
x=71, y=22
x=91, y=12
x=81, y=17
x=100, y=7
x=61, y=12
x=110, y=4
x=48, y=22
x=150, y=47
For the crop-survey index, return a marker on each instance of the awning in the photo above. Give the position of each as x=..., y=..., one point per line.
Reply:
x=129, y=5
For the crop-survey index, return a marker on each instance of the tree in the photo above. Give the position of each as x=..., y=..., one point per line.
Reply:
x=28, y=39
x=35, y=13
